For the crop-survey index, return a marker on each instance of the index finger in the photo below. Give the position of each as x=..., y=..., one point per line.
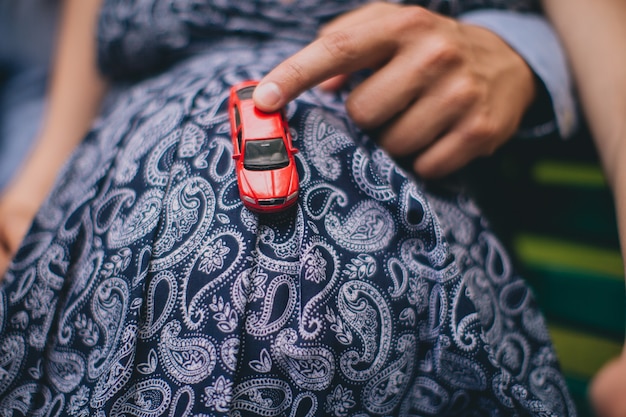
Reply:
x=339, y=52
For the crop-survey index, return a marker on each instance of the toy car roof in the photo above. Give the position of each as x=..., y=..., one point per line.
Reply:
x=258, y=124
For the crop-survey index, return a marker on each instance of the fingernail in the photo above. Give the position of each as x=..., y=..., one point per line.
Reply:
x=267, y=94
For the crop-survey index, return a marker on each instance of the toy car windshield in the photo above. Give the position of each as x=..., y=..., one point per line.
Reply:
x=246, y=93
x=266, y=154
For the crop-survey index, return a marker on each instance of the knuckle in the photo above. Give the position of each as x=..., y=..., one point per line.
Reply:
x=389, y=142
x=482, y=135
x=340, y=45
x=425, y=168
x=444, y=53
x=294, y=72
x=358, y=113
x=414, y=16
x=466, y=92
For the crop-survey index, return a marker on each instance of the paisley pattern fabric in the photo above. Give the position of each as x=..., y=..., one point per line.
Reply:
x=145, y=288
x=139, y=37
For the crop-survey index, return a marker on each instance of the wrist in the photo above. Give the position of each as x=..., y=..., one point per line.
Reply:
x=507, y=66
x=534, y=39
x=36, y=177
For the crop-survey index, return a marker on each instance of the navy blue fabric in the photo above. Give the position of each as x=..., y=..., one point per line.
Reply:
x=146, y=288
x=138, y=38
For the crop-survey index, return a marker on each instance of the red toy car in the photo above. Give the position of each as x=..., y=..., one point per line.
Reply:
x=264, y=155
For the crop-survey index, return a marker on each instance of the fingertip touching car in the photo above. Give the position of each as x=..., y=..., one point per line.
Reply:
x=263, y=152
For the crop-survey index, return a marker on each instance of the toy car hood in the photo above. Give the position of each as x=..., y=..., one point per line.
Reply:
x=268, y=184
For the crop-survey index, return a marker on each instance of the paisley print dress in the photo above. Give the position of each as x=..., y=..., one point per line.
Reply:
x=145, y=288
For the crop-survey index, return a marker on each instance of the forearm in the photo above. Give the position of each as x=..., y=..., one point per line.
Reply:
x=598, y=58
x=619, y=191
x=74, y=97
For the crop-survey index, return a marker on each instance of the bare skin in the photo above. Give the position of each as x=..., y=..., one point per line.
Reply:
x=598, y=59
x=441, y=89
x=74, y=98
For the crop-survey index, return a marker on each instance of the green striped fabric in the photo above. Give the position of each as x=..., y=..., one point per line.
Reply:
x=555, y=172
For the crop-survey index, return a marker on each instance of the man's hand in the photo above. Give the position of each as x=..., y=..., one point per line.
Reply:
x=443, y=90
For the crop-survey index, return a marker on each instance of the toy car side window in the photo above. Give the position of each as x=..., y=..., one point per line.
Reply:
x=238, y=126
x=237, y=118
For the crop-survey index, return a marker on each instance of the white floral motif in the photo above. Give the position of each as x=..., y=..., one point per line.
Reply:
x=264, y=364
x=36, y=372
x=544, y=357
x=142, y=401
x=315, y=267
x=213, y=257
x=219, y=395
x=150, y=365
x=340, y=401
x=224, y=314
x=311, y=323
x=39, y=300
x=87, y=330
x=363, y=266
x=418, y=294
x=119, y=262
x=344, y=335
x=20, y=319
x=191, y=141
x=385, y=390
x=78, y=400
x=262, y=396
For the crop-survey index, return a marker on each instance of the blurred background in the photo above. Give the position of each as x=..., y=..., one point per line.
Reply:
x=549, y=201
x=27, y=32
